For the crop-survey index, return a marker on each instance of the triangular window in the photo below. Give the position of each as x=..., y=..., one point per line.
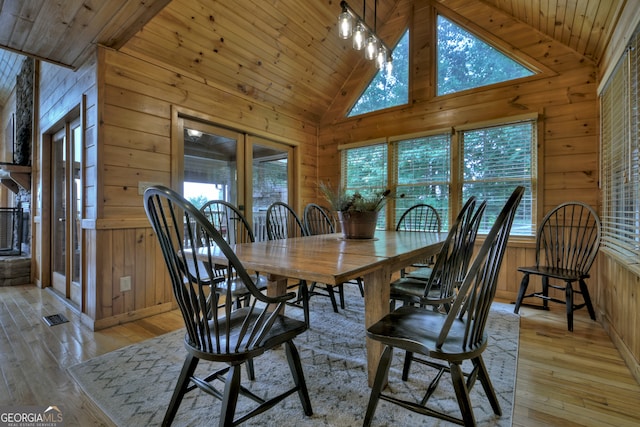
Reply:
x=387, y=89
x=466, y=62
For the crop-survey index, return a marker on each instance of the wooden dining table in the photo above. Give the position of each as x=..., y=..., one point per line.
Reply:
x=331, y=259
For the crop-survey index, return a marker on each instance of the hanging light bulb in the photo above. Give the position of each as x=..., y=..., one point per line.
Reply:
x=381, y=58
x=372, y=48
x=389, y=66
x=359, y=36
x=345, y=24
x=363, y=36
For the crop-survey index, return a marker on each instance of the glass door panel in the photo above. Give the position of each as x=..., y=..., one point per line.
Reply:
x=211, y=164
x=59, y=213
x=247, y=171
x=271, y=180
x=76, y=214
x=66, y=205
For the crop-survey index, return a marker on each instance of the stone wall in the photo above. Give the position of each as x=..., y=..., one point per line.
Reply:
x=24, y=113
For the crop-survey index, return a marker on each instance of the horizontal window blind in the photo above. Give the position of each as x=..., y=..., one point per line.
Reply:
x=422, y=170
x=496, y=159
x=620, y=157
x=364, y=170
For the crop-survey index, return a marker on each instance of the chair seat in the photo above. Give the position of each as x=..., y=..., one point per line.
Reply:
x=556, y=273
x=239, y=289
x=422, y=273
x=417, y=329
x=284, y=329
x=407, y=287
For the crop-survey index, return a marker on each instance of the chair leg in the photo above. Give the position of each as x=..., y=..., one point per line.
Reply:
x=341, y=295
x=332, y=296
x=462, y=394
x=360, y=287
x=312, y=287
x=587, y=299
x=230, y=397
x=523, y=290
x=251, y=373
x=568, y=290
x=381, y=374
x=408, y=357
x=545, y=292
x=298, y=376
x=188, y=368
x=483, y=375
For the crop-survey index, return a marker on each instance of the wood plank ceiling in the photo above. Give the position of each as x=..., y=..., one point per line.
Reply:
x=65, y=32
x=282, y=52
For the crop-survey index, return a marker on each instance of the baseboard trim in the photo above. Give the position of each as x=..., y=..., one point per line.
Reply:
x=618, y=342
x=107, y=322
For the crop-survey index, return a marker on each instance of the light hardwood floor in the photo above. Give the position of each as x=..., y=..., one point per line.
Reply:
x=563, y=379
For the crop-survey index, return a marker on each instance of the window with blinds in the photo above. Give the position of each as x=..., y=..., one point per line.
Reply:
x=364, y=170
x=495, y=160
x=422, y=170
x=620, y=178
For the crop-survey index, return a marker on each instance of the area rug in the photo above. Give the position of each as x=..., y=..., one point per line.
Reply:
x=133, y=385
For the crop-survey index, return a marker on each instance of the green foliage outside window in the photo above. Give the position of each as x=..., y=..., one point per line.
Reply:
x=387, y=90
x=466, y=62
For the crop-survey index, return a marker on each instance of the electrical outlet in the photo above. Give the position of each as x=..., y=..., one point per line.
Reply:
x=125, y=283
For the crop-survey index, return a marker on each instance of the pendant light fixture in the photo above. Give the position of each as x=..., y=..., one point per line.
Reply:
x=363, y=36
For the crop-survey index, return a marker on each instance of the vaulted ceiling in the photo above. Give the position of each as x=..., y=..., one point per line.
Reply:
x=299, y=62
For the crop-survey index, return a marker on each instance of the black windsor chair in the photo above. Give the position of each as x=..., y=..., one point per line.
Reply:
x=234, y=228
x=229, y=335
x=420, y=217
x=447, y=339
x=567, y=243
x=283, y=222
x=435, y=289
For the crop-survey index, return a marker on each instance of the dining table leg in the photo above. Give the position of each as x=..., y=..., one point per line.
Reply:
x=376, y=305
x=276, y=285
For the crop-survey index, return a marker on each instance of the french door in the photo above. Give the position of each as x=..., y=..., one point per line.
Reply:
x=66, y=203
x=247, y=171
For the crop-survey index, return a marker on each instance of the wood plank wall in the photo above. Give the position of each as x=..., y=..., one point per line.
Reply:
x=61, y=91
x=565, y=98
x=619, y=308
x=139, y=97
x=132, y=100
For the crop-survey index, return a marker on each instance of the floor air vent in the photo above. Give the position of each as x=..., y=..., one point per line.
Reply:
x=55, y=319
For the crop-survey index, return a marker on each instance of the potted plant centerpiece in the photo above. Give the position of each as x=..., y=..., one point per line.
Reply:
x=357, y=212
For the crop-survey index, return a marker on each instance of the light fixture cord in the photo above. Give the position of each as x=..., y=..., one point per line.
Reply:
x=364, y=11
x=375, y=16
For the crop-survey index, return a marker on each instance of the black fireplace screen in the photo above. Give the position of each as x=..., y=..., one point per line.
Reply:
x=10, y=231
